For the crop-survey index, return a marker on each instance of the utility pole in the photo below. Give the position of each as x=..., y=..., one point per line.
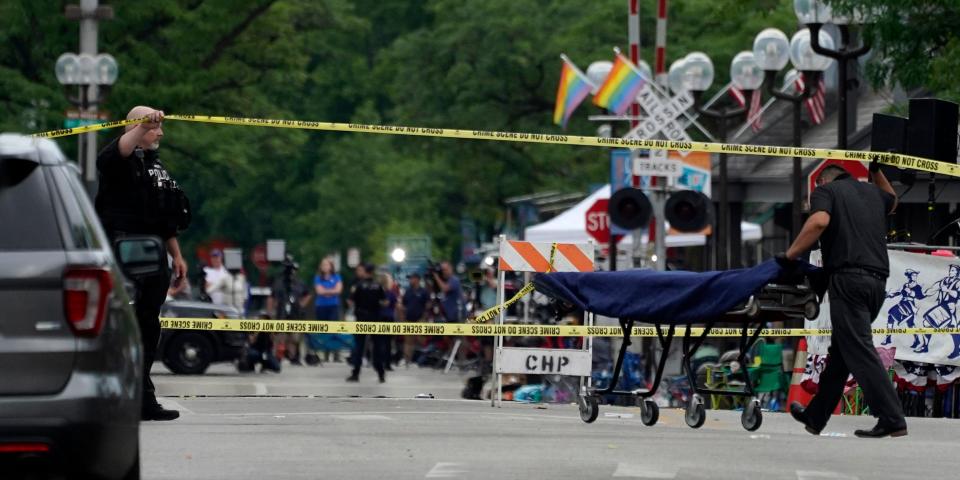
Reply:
x=88, y=13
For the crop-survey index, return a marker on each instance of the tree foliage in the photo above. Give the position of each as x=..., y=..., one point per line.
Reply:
x=489, y=65
x=915, y=42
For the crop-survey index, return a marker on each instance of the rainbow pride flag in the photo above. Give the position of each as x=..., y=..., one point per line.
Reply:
x=573, y=89
x=620, y=88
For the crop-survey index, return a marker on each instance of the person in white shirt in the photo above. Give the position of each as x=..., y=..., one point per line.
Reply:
x=216, y=277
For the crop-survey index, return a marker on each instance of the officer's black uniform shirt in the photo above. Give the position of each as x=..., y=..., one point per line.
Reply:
x=123, y=196
x=366, y=296
x=856, y=235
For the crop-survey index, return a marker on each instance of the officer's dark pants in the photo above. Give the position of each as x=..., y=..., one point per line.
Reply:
x=151, y=293
x=855, y=300
x=381, y=352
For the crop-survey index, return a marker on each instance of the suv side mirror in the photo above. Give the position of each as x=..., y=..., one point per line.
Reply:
x=141, y=256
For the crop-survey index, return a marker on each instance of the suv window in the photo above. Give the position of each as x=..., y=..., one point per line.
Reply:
x=27, y=219
x=81, y=228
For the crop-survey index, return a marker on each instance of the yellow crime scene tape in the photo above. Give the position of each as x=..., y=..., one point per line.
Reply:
x=892, y=159
x=483, y=330
x=478, y=326
x=492, y=312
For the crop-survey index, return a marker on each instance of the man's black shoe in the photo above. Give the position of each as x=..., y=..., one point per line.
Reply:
x=158, y=413
x=880, y=431
x=353, y=378
x=799, y=413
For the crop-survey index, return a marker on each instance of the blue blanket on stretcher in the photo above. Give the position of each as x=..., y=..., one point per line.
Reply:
x=673, y=297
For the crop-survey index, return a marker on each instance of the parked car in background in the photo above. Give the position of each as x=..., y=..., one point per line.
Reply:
x=70, y=354
x=191, y=352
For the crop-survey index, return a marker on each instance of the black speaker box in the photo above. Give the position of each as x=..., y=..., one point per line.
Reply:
x=932, y=129
x=889, y=134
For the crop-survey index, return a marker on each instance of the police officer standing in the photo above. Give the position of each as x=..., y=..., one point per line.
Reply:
x=137, y=196
x=367, y=297
x=849, y=218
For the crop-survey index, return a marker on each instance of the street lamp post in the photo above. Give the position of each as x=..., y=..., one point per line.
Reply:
x=813, y=14
x=771, y=51
x=92, y=74
x=597, y=72
x=696, y=75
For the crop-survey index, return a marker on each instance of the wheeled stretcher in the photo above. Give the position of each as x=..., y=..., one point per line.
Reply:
x=749, y=297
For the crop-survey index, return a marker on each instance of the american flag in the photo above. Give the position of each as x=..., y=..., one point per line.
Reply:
x=753, y=113
x=816, y=102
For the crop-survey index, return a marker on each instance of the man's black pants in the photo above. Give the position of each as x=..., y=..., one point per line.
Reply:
x=381, y=352
x=150, y=295
x=855, y=300
x=152, y=292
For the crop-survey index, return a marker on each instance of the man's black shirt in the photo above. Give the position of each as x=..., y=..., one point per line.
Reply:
x=288, y=303
x=415, y=302
x=367, y=296
x=856, y=235
x=124, y=196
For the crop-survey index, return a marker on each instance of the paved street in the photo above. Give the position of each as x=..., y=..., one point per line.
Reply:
x=346, y=431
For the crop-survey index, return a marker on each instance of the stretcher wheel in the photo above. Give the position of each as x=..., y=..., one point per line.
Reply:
x=811, y=310
x=649, y=412
x=589, y=408
x=752, y=417
x=696, y=414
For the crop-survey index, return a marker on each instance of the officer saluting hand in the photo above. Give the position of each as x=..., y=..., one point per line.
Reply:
x=137, y=196
x=849, y=218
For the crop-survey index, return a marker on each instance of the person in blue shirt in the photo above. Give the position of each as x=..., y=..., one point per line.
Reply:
x=452, y=300
x=328, y=286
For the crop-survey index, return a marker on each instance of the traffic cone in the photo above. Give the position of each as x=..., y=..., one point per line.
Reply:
x=797, y=393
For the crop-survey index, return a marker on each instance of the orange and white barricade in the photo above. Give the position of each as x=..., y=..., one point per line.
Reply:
x=541, y=257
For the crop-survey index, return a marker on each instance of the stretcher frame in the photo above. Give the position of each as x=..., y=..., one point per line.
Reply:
x=767, y=305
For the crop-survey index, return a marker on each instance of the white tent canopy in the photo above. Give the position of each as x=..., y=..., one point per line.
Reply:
x=571, y=227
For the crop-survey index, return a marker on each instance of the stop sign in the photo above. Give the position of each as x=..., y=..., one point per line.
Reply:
x=598, y=222
x=855, y=167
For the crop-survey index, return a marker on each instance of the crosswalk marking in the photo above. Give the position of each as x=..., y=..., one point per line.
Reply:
x=634, y=470
x=362, y=417
x=818, y=475
x=446, y=470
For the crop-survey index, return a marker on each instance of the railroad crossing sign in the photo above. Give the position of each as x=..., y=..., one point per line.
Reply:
x=662, y=115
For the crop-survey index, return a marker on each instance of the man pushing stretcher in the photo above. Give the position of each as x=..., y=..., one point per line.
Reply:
x=849, y=219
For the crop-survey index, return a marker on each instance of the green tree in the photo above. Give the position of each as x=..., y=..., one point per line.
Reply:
x=915, y=42
x=490, y=65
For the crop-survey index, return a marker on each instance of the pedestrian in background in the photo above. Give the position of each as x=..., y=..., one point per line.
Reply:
x=487, y=299
x=214, y=276
x=327, y=286
x=367, y=298
x=259, y=351
x=288, y=301
x=389, y=314
x=225, y=287
x=413, y=307
x=452, y=293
